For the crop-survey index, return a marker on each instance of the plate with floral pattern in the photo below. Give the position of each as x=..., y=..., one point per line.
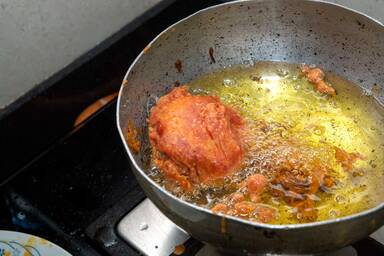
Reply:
x=20, y=244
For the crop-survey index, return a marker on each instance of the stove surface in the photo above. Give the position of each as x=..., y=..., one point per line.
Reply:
x=74, y=185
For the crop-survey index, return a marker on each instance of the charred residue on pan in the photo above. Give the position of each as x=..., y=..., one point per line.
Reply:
x=211, y=55
x=360, y=24
x=318, y=12
x=179, y=66
x=146, y=48
x=132, y=135
x=376, y=90
x=158, y=46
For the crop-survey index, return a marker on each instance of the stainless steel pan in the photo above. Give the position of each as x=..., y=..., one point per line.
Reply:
x=348, y=43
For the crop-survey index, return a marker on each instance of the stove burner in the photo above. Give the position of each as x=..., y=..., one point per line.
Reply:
x=152, y=233
x=149, y=231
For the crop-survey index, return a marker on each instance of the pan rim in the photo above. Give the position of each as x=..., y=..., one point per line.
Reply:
x=280, y=227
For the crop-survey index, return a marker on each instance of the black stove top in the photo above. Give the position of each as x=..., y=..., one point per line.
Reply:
x=72, y=185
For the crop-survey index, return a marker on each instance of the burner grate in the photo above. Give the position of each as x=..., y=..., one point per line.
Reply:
x=149, y=231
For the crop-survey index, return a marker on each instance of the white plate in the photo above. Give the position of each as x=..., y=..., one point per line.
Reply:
x=20, y=244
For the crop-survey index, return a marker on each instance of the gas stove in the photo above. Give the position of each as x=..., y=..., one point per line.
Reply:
x=65, y=175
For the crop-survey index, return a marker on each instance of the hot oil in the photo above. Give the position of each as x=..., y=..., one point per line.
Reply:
x=277, y=94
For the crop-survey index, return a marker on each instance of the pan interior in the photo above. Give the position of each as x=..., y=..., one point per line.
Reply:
x=277, y=93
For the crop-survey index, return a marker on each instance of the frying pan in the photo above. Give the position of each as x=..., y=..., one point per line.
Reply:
x=242, y=32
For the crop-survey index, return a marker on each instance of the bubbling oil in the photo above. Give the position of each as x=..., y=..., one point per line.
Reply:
x=277, y=93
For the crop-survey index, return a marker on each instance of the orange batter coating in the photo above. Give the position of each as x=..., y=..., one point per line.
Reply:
x=346, y=159
x=316, y=77
x=195, y=138
x=256, y=185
